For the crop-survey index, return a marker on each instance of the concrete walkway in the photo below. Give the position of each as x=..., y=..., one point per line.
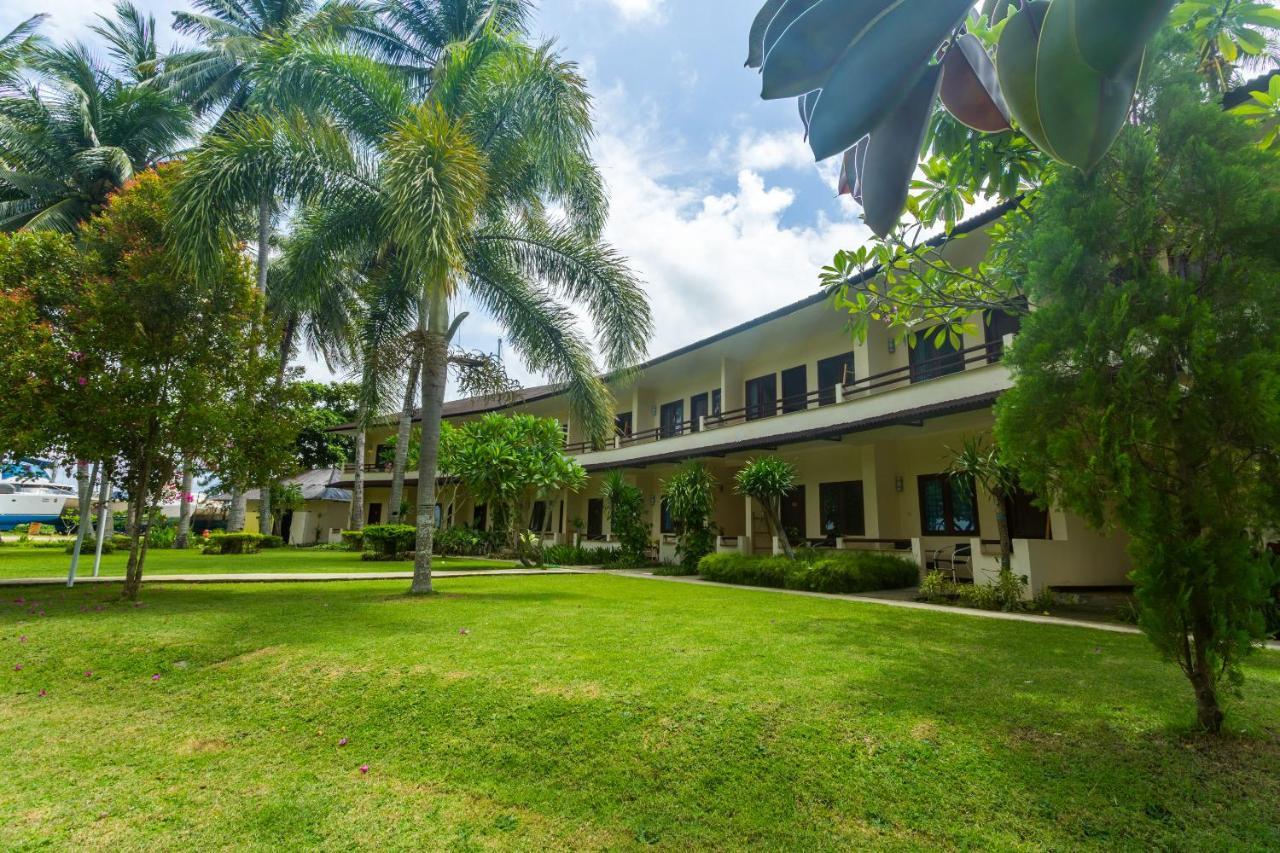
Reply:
x=1035, y=618
x=292, y=577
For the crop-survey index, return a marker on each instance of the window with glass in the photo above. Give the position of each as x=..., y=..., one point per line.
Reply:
x=837, y=370
x=842, y=510
x=668, y=521
x=716, y=401
x=595, y=518
x=931, y=357
x=948, y=505
x=762, y=397
x=672, y=418
x=699, y=408
x=795, y=389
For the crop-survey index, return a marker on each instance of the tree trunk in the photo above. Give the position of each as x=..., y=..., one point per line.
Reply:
x=264, y=266
x=236, y=513
x=402, y=438
x=1203, y=677
x=86, y=516
x=435, y=373
x=84, y=493
x=265, y=522
x=131, y=517
x=1002, y=529
x=774, y=519
x=356, y=521
x=138, y=501
x=184, y=508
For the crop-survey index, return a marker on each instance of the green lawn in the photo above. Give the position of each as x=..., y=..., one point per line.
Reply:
x=18, y=561
x=601, y=711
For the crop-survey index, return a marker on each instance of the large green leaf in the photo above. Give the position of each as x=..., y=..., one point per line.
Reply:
x=886, y=60
x=851, y=169
x=1016, y=69
x=1081, y=111
x=787, y=14
x=1112, y=35
x=755, y=41
x=996, y=11
x=970, y=90
x=806, y=103
x=802, y=57
x=893, y=152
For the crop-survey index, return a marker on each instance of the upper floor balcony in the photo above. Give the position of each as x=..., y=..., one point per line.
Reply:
x=969, y=376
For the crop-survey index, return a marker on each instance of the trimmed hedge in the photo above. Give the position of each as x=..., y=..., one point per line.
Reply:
x=388, y=541
x=353, y=539
x=847, y=571
x=89, y=547
x=240, y=543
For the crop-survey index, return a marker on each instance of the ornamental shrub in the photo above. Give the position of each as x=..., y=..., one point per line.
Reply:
x=353, y=539
x=836, y=572
x=389, y=540
x=89, y=546
x=233, y=543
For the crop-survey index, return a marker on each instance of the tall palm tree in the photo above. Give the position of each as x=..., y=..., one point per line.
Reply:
x=85, y=129
x=484, y=185
x=16, y=47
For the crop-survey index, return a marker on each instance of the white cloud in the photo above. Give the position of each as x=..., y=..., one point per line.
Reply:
x=633, y=11
x=767, y=152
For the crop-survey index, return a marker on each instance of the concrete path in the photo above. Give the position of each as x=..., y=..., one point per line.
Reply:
x=1035, y=618
x=292, y=577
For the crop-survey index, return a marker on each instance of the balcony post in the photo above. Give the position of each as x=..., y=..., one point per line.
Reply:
x=702, y=423
x=839, y=392
x=617, y=442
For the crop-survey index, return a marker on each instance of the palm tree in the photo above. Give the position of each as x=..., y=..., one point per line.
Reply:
x=238, y=44
x=16, y=48
x=451, y=192
x=86, y=129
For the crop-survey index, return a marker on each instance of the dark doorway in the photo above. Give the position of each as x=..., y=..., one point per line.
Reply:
x=762, y=397
x=948, y=505
x=841, y=508
x=931, y=358
x=667, y=522
x=837, y=370
x=622, y=424
x=795, y=389
x=538, y=518
x=286, y=526
x=672, y=423
x=480, y=517
x=595, y=518
x=793, y=520
x=375, y=513
x=698, y=410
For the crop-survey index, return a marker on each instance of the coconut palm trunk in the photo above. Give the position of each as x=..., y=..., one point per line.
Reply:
x=264, y=259
x=402, y=439
x=184, y=508
x=356, y=520
x=435, y=374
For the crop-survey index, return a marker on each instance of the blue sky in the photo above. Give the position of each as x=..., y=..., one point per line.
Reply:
x=714, y=196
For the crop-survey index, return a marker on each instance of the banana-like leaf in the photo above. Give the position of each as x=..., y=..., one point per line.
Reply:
x=1016, y=69
x=1080, y=110
x=880, y=67
x=851, y=168
x=996, y=11
x=894, y=151
x=787, y=14
x=1112, y=35
x=806, y=103
x=755, y=41
x=970, y=90
x=803, y=55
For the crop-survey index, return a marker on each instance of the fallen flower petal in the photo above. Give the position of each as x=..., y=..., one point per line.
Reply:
x=342, y=742
x=364, y=768
x=155, y=677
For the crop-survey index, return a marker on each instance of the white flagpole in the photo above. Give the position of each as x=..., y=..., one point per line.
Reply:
x=104, y=511
x=86, y=512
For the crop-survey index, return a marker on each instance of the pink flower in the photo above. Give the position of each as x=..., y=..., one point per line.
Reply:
x=342, y=742
x=44, y=692
x=83, y=382
x=364, y=768
x=22, y=639
x=155, y=677
x=17, y=667
x=88, y=673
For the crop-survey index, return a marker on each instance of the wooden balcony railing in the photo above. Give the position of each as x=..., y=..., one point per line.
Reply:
x=920, y=371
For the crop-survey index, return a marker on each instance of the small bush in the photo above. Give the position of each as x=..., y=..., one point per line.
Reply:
x=463, y=541
x=233, y=543
x=89, y=547
x=121, y=541
x=353, y=539
x=571, y=555
x=22, y=529
x=847, y=572
x=389, y=540
x=271, y=542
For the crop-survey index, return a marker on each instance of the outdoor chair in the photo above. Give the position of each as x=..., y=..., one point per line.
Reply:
x=955, y=560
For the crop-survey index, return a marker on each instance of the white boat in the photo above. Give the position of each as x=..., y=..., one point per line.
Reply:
x=32, y=499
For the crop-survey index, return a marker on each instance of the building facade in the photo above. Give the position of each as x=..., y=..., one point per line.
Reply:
x=869, y=426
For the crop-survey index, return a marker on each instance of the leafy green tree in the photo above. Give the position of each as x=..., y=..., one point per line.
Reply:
x=690, y=496
x=132, y=361
x=1147, y=391
x=983, y=464
x=458, y=195
x=625, y=503
x=509, y=461
x=324, y=405
x=85, y=128
x=767, y=480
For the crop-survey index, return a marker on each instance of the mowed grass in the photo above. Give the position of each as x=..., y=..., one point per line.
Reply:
x=22, y=561
x=603, y=712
